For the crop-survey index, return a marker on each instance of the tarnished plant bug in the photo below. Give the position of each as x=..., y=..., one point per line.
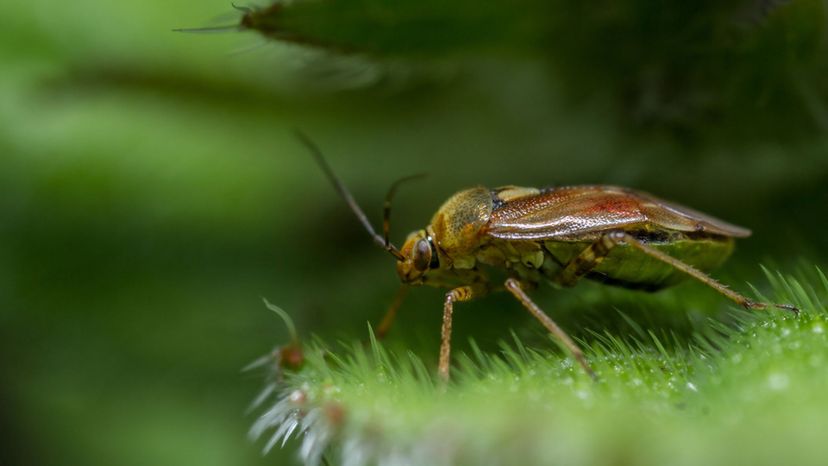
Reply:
x=610, y=234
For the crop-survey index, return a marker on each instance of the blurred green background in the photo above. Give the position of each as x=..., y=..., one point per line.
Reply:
x=151, y=191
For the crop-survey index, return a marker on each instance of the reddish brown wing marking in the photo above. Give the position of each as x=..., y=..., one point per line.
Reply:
x=581, y=211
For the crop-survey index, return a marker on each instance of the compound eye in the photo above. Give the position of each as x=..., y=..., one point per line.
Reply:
x=422, y=255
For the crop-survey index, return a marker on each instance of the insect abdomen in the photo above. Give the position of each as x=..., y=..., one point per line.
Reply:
x=630, y=268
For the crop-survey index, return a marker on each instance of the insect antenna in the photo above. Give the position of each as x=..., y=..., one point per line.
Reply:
x=386, y=206
x=346, y=195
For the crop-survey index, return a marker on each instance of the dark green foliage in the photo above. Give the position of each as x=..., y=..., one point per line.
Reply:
x=697, y=69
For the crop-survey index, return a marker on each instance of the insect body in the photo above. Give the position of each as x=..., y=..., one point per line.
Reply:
x=557, y=234
x=614, y=235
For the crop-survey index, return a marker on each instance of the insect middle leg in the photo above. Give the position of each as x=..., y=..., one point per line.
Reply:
x=587, y=260
x=515, y=287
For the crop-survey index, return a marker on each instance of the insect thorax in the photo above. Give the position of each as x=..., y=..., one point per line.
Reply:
x=457, y=223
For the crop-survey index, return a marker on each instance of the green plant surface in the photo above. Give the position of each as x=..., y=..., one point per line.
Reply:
x=752, y=392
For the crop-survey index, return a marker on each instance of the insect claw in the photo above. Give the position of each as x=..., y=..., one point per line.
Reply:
x=788, y=307
x=755, y=305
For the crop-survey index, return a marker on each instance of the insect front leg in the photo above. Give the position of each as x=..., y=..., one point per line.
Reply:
x=622, y=237
x=462, y=293
x=391, y=313
x=517, y=290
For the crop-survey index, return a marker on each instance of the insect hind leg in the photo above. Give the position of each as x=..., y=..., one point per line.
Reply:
x=617, y=237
